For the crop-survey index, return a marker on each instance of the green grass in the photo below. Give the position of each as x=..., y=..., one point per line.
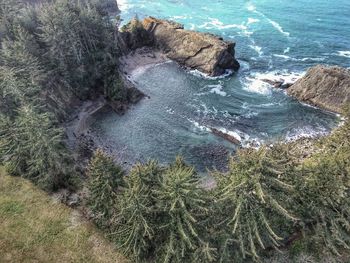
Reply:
x=35, y=228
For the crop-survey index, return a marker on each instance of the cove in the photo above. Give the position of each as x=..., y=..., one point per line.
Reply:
x=183, y=106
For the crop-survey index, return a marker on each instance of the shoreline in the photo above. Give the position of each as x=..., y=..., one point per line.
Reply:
x=82, y=137
x=139, y=60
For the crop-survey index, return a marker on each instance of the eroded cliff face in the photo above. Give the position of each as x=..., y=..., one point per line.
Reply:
x=324, y=87
x=205, y=52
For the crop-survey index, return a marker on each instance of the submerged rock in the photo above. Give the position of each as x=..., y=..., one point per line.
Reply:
x=324, y=87
x=278, y=84
x=226, y=136
x=205, y=52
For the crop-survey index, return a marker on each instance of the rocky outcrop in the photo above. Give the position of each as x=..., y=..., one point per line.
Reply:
x=228, y=137
x=324, y=87
x=205, y=52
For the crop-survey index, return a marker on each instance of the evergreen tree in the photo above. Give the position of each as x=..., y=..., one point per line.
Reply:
x=326, y=204
x=21, y=74
x=105, y=177
x=12, y=151
x=80, y=44
x=33, y=142
x=137, y=223
x=10, y=10
x=252, y=197
x=184, y=205
x=323, y=191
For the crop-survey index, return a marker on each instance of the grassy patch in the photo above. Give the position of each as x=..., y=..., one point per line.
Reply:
x=34, y=228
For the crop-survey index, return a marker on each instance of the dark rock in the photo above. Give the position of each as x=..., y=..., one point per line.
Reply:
x=278, y=84
x=324, y=87
x=205, y=52
x=226, y=136
x=218, y=157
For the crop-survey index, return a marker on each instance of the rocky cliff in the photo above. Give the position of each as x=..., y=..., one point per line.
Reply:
x=205, y=52
x=324, y=87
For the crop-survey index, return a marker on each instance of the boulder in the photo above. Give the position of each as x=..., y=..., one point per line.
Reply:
x=226, y=136
x=324, y=87
x=278, y=84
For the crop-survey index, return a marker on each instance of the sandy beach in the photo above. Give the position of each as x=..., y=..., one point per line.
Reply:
x=140, y=60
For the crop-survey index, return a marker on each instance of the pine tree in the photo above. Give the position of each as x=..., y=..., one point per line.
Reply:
x=184, y=205
x=327, y=206
x=105, y=177
x=80, y=45
x=251, y=197
x=32, y=141
x=21, y=74
x=137, y=221
x=12, y=151
x=323, y=192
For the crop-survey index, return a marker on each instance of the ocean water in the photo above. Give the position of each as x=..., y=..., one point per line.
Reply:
x=275, y=39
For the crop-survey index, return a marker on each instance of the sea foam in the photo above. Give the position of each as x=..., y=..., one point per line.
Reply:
x=256, y=81
x=345, y=54
x=278, y=27
x=257, y=49
x=275, y=24
x=216, y=23
x=197, y=73
x=217, y=89
x=123, y=5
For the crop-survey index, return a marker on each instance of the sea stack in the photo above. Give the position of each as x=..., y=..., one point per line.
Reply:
x=202, y=51
x=324, y=87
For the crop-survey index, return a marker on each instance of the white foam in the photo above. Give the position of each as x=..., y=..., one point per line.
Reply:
x=244, y=65
x=216, y=23
x=251, y=7
x=345, y=54
x=286, y=50
x=170, y=110
x=197, y=73
x=305, y=132
x=250, y=114
x=123, y=5
x=282, y=56
x=217, y=89
x=252, y=21
x=181, y=17
x=312, y=59
x=245, y=140
x=257, y=49
x=299, y=59
x=192, y=26
x=198, y=126
x=278, y=27
x=257, y=86
x=255, y=82
x=275, y=24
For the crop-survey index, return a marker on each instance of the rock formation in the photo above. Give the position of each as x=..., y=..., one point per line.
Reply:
x=324, y=87
x=226, y=136
x=205, y=52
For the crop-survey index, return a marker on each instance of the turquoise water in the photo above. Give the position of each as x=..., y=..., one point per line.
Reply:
x=275, y=39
